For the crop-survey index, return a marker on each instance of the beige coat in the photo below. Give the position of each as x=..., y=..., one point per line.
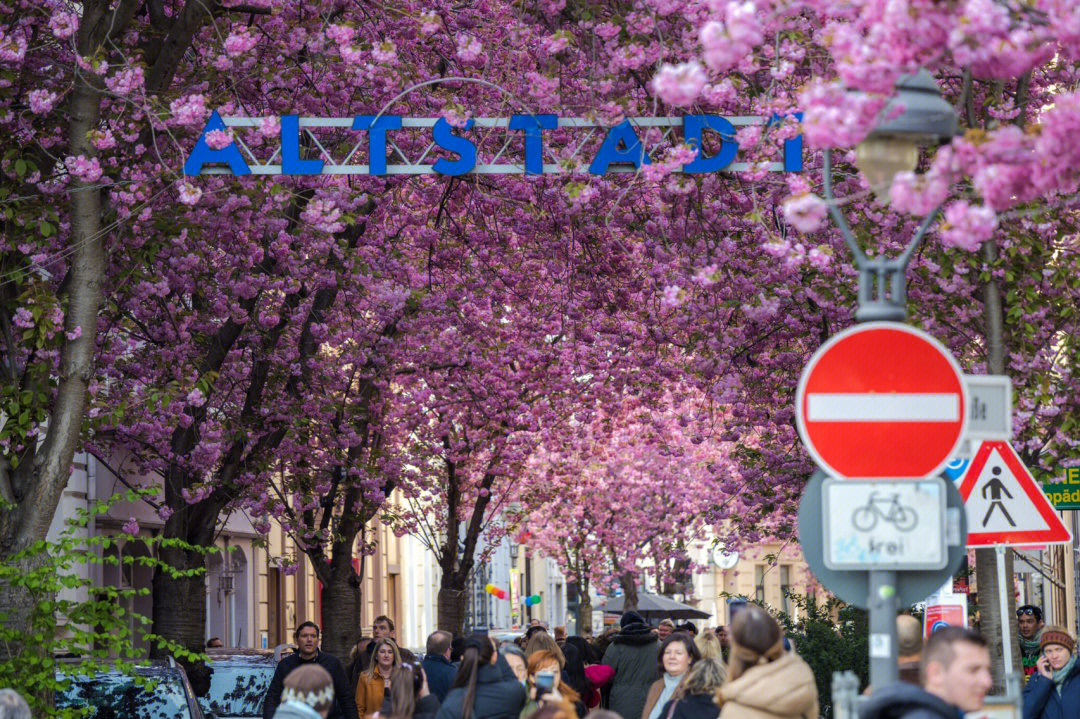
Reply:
x=784, y=688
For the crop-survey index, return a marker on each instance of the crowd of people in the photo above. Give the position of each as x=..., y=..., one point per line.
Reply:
x=748, y=670
x=634, y=671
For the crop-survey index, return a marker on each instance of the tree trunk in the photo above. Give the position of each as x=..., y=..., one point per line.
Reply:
x=340, y=607
x=37, y=492
x=584, y=610
x=452, y=607
x=991, y=623
x=17, y=606
x=629, y=588
x=179, y=611
x=33, y=492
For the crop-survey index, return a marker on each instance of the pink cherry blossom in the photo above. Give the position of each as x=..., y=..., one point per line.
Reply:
x=41, y=101
x=967, y=226
x=805, y=212
x=679, y=85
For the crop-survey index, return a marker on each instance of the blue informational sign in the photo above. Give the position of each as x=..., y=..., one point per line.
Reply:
x=955, y=469
x=622, y=149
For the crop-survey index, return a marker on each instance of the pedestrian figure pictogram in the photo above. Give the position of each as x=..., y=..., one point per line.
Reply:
x=996, y=489
x=1000, y=491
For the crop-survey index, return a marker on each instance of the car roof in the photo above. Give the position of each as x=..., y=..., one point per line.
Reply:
x=247, y=660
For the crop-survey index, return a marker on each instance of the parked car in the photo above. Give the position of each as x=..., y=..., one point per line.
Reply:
x=239, y=679
x=115, y=695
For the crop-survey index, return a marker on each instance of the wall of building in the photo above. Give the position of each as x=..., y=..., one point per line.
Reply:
x=260, y=587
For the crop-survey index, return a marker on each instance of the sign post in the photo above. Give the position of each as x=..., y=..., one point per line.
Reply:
x=882, y=407
x=892, y=583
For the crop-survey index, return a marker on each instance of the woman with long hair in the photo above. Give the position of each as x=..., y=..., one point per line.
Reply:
x=410, y=697
x=597, y=675
x=374, y=681
x=763, y=678
x=542, y=642
x=708, y=645
x=484, y=687
x=677, y=654
x=693, y=698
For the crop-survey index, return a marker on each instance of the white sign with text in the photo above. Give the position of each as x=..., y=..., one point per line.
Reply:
x=892, y=525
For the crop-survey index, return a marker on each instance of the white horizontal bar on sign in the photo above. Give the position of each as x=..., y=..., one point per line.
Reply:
x=864, y=407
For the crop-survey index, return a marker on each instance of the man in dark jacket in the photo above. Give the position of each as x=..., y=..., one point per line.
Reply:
x=440, y=672
x=307, y=652
x=956, y=677
x=632, y=654
x=1054, y=691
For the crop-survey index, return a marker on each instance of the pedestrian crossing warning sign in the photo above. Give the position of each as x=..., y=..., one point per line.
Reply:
x=1004, y=504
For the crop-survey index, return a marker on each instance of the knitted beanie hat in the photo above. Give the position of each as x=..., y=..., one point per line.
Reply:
x=1057, y=635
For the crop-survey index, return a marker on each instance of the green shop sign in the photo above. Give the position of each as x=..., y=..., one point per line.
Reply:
x=1065, y=495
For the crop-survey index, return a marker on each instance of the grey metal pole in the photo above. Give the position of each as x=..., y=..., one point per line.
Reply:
x=883, y=606
x=1003, y=599
x=882, y=297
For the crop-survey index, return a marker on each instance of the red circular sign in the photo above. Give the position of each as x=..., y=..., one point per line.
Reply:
x=882, y=400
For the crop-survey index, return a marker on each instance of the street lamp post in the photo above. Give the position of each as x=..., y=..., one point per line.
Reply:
x=891, y=147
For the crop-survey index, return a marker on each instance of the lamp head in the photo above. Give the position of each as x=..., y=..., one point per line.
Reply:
x=893, y=145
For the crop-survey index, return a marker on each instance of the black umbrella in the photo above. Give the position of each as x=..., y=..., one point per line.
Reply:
x=655, y=607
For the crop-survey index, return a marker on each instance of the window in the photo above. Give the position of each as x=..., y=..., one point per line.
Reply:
x=759, y=583
x=785, y=588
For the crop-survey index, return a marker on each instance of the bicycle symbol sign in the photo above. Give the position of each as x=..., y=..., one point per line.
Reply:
x=887, y=509
x=881, y=524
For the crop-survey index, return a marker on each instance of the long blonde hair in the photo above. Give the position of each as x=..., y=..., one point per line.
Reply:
x=709, y=646
x=370, y=672
x=705, y=677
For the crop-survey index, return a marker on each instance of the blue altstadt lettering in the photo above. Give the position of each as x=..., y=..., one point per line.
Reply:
x=622, y=148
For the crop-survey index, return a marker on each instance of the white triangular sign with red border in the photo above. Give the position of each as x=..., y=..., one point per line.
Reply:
x=1004, y=504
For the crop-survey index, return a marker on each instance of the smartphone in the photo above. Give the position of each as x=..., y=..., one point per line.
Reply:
x=545, y=681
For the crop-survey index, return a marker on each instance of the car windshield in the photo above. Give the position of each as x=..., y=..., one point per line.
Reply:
x=237, y=691
x=115, y=696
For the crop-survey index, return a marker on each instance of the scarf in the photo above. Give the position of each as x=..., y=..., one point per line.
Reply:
x=671, y=682
x=1060, y=674
x=1030, y=647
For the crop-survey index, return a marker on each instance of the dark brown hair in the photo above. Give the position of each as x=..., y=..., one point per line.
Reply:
x=940, y=646
x=477, y=652
x=677, y=638
x=755, y=636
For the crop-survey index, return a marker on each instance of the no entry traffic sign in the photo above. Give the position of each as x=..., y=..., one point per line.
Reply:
x=882, y=400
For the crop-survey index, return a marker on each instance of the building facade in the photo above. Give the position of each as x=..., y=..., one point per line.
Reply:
x=260, y=587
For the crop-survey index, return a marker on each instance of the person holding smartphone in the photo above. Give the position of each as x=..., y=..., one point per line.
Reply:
x=545, y=683
x=1054, y=691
